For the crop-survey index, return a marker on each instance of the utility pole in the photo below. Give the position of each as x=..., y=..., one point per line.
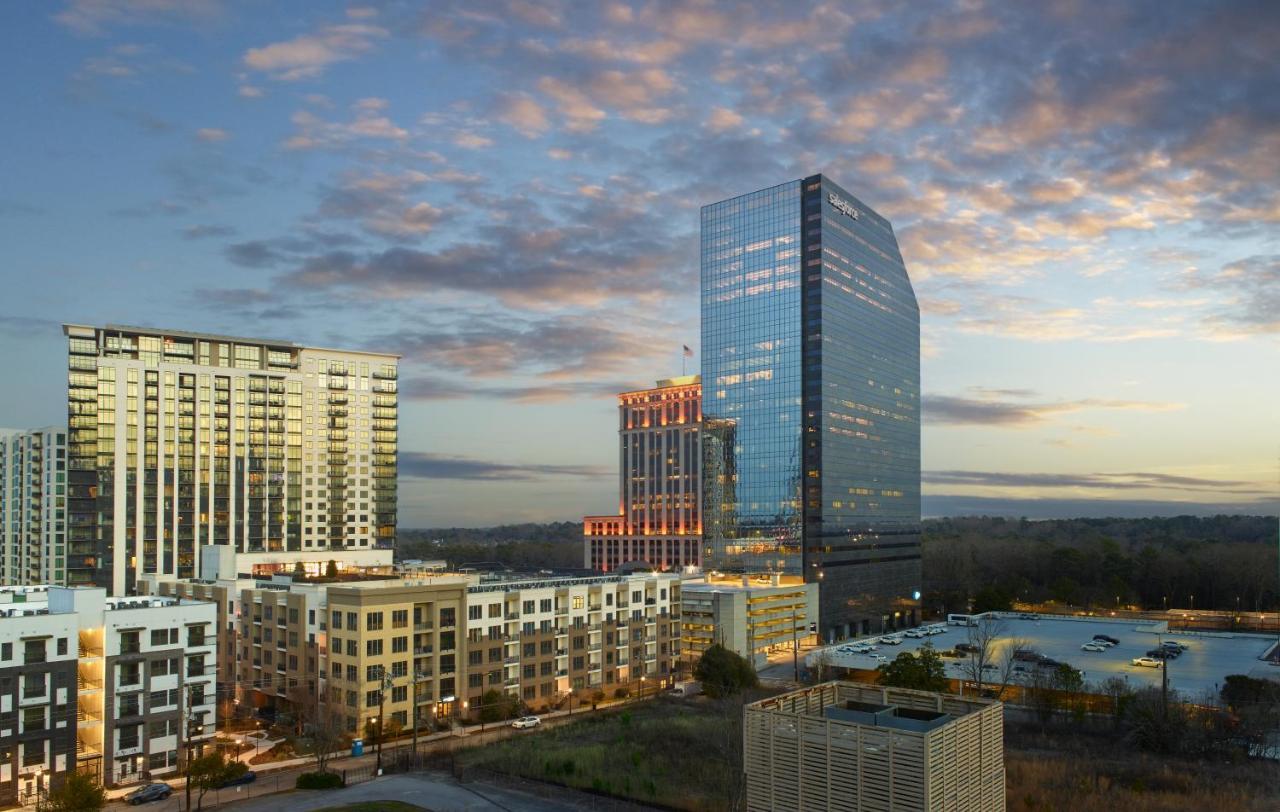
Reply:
x=187, y=723
x=385, y=684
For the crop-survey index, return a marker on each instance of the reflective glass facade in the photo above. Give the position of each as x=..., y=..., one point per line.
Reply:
x=811, y=370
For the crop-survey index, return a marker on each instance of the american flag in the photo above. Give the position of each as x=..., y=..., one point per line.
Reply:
x=688, y=353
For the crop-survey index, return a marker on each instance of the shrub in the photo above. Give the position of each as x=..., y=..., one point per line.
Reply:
x=319, y=781
x=621, y=693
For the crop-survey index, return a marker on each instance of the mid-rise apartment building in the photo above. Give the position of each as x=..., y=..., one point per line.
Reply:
x=749, y=615
x=38, y=669
x=446, y=641
x=33, y=518
x=865, y=748
x=659, y=518
x=180, y=440
x=127, y=690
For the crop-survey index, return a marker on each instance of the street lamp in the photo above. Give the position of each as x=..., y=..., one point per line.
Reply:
x=386, y=681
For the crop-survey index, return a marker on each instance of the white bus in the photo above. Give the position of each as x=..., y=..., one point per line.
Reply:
x=960, y=620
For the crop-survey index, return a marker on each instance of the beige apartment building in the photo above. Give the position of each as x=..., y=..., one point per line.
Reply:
x=864, y=748
x=443, y=642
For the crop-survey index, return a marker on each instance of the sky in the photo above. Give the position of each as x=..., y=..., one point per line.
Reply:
x=1086, y=194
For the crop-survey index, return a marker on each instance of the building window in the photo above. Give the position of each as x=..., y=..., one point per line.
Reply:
x=32, y=754
x=399, y=645
x=577, y=602
x=400, y=693
x=62, y=646
x=33, y=652
x=373, y=648
x=373, y=622
x=371, y=698
x=475, y=612
x=399, y=618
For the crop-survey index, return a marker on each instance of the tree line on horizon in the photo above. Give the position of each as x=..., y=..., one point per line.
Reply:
x=1225, y=562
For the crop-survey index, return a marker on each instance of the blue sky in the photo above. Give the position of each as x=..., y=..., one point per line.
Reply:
x=1086, y=194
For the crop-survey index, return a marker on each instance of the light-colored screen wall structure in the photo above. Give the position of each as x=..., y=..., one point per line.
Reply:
x=180, y=440
x=860, y=748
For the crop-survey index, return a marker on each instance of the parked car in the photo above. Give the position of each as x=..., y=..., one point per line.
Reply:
x=1147, y=662
x=1106, y=639
x=891, y=640
x=861, y=648
x=246, y=778
x=525, y=722
x=915, y=634
x=1174, y=645
x=937, y=628
x=1026, y=655
x=967, y=648
x=1093, y=647
x=1164, y=653
x=151, y=792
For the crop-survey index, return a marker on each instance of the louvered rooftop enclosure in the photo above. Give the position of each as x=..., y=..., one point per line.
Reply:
x=865, y=748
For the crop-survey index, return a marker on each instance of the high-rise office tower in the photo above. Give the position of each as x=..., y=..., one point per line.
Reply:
x=659, y=518
x=811, y=400
x=33, y=518
x=181, y=440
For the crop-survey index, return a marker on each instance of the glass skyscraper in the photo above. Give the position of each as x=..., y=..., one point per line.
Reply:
x=811, y=400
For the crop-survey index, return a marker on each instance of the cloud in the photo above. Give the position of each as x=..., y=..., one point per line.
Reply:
x=1248, y=296
x=368, y=122
x=523, y=113
x=427, y=465
x=200, y=232
x=722, y=119
x=250, y=92
x=942, y=505
x=1019, y=412
x=212, y=135
x=557, y=350
x=1108, y=481
x=94, y=17
x=307, y=56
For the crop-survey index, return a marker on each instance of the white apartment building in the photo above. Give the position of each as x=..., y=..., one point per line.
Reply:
x=181, y=440
x=139, y=680
x=33, y=518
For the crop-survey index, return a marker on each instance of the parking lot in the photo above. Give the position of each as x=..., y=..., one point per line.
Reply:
x=1200, y=670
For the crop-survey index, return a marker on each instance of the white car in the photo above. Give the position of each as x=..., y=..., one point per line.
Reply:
x=1147, y=662
x=916, y=633
x=861, y=648
x=936, y=630
x=880, y=658
x=526, y=722
x=891, y=640
x=1093, y=647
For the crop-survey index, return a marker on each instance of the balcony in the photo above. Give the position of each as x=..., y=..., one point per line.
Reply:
x=424, y=626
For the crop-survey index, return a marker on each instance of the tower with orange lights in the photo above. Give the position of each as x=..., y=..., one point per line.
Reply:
x=659, y=518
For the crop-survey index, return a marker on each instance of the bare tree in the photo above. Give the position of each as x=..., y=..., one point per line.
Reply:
x=326, y=728
x=988, y=661
x=820, y=667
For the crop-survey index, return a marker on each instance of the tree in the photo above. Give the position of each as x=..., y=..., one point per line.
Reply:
x=212, y=771
x=820, y=667
x=1119, y=692
x=497, y=705
x=79, y=792
x=992, y=599
x=299, y=571
x=986, y=662
x=326, y=729
x=922, y=672
x=724, y=673
x=331, y=569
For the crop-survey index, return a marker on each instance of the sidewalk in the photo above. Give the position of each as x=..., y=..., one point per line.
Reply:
x=269, y=774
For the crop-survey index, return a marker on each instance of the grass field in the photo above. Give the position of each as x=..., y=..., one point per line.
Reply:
x=1066, y=774
x=679, y=753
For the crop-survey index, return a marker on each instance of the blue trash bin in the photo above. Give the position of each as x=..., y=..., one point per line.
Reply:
x=357, y=747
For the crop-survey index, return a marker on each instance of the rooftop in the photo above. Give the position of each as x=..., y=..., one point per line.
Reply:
x=852, y=703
